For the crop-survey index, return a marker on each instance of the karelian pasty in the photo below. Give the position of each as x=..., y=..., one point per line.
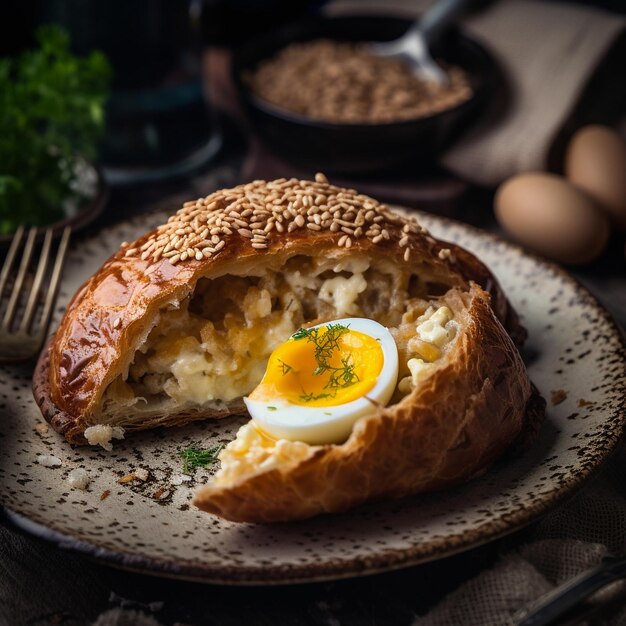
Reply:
x=179, y=326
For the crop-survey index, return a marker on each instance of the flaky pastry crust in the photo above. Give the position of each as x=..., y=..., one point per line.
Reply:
x=447, y=430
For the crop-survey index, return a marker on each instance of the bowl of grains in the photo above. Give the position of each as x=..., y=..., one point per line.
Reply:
x=317, y=95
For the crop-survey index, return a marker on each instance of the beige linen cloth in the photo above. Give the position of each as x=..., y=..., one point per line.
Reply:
x=566, y=542
x=548, y=51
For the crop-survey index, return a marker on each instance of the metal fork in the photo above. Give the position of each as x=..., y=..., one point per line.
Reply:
x=21, y=339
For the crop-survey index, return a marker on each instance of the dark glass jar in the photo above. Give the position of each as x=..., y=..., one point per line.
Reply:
x=158, y=122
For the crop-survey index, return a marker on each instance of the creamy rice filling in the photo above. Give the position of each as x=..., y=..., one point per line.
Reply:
x=214, y=347
x=431, y=334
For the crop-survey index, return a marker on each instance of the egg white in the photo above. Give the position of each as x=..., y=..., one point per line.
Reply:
x=330, y=424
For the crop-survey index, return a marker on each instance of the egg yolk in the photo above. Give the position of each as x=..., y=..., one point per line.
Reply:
x=324, y=366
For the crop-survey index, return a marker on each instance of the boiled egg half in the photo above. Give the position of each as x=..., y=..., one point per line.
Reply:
x=323, y=379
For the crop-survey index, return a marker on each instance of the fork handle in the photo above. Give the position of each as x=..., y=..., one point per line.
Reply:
x=557, y=602
x=437, y=19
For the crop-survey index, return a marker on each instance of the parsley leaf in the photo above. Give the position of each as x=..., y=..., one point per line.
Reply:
x=51, y=112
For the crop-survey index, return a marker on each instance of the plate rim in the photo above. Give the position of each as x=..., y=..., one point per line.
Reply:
x=389, y=560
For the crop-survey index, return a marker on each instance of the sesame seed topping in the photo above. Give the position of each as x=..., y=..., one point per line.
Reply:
x=446, y=254
x=260, y=211
x=117, y=322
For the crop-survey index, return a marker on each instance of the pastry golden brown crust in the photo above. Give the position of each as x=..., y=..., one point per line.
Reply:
x=447, y=431
x=114, y=312
x=475, y=401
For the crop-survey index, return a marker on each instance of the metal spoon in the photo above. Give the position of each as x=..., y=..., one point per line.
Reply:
x=414, y=45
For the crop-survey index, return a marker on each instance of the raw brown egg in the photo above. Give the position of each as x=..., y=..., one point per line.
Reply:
x=551, y=216
x=595, y=162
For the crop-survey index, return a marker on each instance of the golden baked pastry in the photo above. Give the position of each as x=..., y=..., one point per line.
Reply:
x=179, y=325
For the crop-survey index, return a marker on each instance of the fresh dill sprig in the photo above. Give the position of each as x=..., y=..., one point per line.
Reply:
x=198, y=457
x=343, y=376
x=301, y=333
x=325, y=346
x=286, y=368
x=309, y=397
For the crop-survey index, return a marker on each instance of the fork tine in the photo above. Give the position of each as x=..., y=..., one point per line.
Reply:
x=19, y=281
x=55, y=279
x=33, y=297
x=8, y=262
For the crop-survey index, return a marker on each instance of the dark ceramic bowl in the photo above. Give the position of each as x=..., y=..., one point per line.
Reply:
x=358, y=148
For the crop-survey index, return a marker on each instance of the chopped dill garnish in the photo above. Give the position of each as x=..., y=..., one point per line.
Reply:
x=271, y=408
x=309, y=397
x=301, y=333
x=342, y=376
x=325, y=345
x=286, y=368
x=198, y=457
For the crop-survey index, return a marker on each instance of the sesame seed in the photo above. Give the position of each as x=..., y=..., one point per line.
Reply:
x=117, y=322
x=261, y=211
x=407, y=254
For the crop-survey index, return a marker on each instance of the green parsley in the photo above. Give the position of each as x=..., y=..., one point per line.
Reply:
x=271, y=408
x=51, y=113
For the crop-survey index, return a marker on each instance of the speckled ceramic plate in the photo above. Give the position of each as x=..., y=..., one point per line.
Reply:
x=575, y=354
